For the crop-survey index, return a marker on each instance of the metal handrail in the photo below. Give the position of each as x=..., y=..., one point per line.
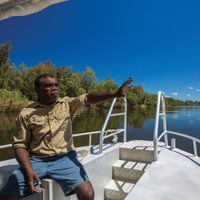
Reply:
x=5, y=146
x=102, y=137
x=194, y=140
x=162, y=113
x=97, y=132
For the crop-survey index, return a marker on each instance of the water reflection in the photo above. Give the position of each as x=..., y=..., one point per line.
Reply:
x=140, y=125
x=7, y=127
x=139, y=116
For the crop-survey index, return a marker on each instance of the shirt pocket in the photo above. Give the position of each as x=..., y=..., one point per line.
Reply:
x=61, y=116
x=36, y=122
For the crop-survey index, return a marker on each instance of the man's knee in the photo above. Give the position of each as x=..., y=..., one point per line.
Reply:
x=85, y=191
x=87, y=195
x=90, y=194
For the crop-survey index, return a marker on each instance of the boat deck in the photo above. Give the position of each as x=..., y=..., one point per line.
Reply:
x=176, y=175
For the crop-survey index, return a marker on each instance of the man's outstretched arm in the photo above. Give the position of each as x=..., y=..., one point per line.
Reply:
x=93, y=98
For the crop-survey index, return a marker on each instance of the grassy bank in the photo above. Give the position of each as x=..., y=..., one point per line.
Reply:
x=12, y=101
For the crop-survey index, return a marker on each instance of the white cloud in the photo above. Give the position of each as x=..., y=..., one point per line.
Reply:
x=191, y=88
x=197, y=90
x=175, y=93
x=188, y=95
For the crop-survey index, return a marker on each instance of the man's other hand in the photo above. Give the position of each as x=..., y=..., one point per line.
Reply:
x=32, y=177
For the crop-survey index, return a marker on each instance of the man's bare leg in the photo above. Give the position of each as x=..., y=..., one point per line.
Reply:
x=85, y=191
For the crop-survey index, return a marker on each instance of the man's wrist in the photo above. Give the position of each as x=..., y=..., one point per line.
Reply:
x=28, y=171
x=117, y=94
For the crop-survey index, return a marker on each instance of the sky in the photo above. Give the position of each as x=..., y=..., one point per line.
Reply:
x=155, y=42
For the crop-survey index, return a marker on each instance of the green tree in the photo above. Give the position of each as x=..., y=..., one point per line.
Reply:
x=63, y=73
x=132, y=99
x=88, y=79
x=7, y=71
x=72, y=86
x=69, y=82
x=106, y=86
x=138, y=90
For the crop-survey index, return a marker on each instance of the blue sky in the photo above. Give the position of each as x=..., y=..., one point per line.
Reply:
x=156, y=42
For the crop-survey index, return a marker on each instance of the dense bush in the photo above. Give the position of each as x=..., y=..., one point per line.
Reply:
x=12, y=100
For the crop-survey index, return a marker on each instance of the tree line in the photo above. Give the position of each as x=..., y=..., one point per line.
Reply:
x=17, y=83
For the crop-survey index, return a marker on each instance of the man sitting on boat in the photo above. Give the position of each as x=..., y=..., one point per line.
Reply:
x=43, y=143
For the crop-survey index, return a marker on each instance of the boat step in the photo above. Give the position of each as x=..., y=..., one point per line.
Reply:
x=117, y=190
x=138, y=155
x=128, y=171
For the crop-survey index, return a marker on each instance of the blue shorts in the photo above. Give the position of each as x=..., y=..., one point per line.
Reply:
x=65, y=169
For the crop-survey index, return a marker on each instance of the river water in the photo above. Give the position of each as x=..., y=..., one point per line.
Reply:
x=184, y=119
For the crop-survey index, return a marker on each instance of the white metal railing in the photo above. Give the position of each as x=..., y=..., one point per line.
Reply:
x=5, y=146
x=110, y=114
x=161, y=112
x=90, y=134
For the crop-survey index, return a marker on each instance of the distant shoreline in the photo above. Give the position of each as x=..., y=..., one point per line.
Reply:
x=14, y=101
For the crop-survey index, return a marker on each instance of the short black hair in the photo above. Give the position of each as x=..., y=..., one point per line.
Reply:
x=39, y=78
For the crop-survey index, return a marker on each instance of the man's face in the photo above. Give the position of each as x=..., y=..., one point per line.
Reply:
x=48, y=91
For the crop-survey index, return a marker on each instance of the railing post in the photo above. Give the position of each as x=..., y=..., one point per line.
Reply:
x=195, y=148
x=173, y=143
x=125, y=120
x=104, y=126
x=164, y=119
x=155, y=138
x=90, y=140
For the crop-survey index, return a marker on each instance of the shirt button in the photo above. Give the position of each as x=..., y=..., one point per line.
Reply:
x=51, y=117
x=48, y=137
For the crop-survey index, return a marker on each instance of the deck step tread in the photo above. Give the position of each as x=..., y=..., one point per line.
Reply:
x=131, y=165
x=141, y=145
x=136, y=155
x=128, y=171
x=119, y=186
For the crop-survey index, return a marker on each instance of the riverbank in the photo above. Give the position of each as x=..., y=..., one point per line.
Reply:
x=12, y=101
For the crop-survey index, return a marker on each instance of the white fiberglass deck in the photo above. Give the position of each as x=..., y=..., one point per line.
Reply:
x=175, y=176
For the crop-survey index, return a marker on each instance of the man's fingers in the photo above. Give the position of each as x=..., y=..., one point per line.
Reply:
x=127, y=82
x=130, y=79
x=37, y=190
x=39, y=182
x=31, y=183
x=31, y=179
x=37, y=179
x=121, y=91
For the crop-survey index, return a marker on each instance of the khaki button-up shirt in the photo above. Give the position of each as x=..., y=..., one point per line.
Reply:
x=47, y=130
